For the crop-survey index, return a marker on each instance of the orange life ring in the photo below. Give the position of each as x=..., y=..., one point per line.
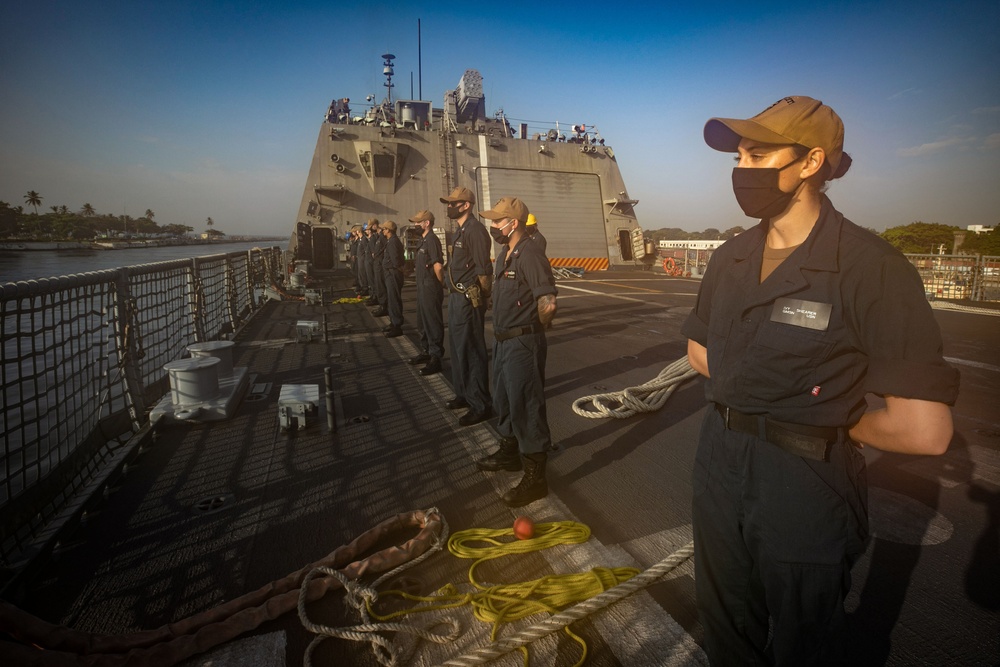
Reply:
x=670, y=267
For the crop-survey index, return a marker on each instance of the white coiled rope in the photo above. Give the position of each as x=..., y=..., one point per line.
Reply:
x=648, y=397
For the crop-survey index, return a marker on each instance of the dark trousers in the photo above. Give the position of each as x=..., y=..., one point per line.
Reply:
x=519, y=391
x=393, y=280
x=775, y=538
x=378, y=282
x=467, y=341
x=430, y=317
x=364, y=275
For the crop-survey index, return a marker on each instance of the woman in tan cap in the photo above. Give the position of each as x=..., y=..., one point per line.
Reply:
x=796, y=320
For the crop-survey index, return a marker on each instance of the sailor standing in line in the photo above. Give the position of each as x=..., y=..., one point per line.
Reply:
x=428, y=264
x=392, y=271
x=524, y=303
x=352, y=250
x=364, y=259
x=377, y=245
x=531, y=227
x=797, y=319
x=469, y=275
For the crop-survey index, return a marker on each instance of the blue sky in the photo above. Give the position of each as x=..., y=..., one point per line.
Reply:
x=208, y=108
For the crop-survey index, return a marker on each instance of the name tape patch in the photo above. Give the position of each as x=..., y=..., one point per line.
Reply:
x=800, y=313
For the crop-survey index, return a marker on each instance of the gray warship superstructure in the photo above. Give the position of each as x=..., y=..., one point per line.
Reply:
x=400, y=156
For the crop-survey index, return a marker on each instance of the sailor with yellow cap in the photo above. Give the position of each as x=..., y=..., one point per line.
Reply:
x=531, y=227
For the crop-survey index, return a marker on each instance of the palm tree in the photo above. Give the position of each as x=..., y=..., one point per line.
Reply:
x=63, y=210
x=149, y=214
x=209, y=222
x=88, y=210
x=33, y=199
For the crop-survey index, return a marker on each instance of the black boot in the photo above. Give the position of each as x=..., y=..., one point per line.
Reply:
x=532, y=485
x=505, y=458
x=434, y=366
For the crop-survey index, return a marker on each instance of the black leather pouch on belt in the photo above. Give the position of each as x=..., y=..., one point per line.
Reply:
x=810, y=442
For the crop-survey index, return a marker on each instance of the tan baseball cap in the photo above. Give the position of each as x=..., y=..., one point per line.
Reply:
x=508, y=207
x=390, y=225
x=791, y=120
x=372, y=221
x=460, y=194
x=423, y=215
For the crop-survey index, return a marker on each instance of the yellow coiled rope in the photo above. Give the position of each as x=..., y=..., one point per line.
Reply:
x=505, y=603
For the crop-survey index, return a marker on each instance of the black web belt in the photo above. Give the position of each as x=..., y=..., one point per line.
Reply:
x=810, y=442
x=507, y=334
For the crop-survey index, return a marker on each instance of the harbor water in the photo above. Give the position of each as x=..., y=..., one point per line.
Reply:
x=32, y=265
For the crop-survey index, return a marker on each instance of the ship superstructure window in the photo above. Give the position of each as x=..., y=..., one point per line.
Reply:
x=385, y=165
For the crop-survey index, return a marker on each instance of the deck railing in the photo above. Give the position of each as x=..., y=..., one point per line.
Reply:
x=959, y=277
x=945, y=277
x=82, y=364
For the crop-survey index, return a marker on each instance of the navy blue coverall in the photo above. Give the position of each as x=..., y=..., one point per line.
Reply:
x=470, y=258
x=776, y=532
x=523, y=274
x=376, y=245
x=430, y=296
x=392, y=272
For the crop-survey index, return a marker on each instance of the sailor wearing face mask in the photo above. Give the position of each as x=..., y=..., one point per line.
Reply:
x=524, y=303
x=796, y=320
x=469, y=273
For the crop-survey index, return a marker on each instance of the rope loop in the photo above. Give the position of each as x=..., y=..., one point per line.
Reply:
x=361, y=597
x=648, y=397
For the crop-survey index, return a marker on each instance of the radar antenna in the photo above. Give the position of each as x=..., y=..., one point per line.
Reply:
x=387, y=70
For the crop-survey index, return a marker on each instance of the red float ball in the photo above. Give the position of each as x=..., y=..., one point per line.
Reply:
x=524, y=528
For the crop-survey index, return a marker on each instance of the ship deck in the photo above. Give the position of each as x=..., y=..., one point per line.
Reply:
x=206, y=513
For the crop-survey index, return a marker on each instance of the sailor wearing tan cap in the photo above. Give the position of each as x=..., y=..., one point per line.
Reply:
x=524, y=303
x=469, y=274
x=428, y=265
x=796, y=320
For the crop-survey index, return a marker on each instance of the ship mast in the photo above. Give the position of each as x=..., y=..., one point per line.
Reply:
x=387, y=70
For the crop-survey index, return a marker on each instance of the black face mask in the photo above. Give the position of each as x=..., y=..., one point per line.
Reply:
x=757, y=191
x=499, y=236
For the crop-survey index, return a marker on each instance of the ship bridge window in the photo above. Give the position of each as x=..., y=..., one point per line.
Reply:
x=385, y=165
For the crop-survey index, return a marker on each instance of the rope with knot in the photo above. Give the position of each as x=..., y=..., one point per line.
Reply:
x=568, y=597
x=360, y=597
x=648, y=397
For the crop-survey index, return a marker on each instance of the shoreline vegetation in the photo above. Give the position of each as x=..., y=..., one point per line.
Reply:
x=21, y=245
x=63, y=229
